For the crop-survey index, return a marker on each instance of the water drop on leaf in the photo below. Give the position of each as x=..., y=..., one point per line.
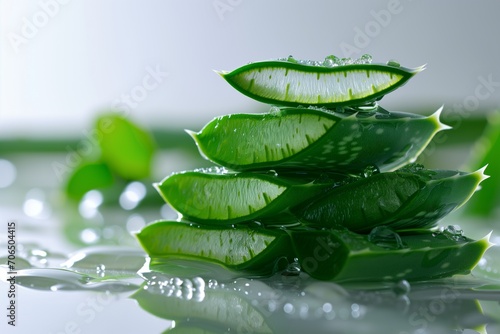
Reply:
x=401, y=288
x=370, y=170
x=394, y=63
x=384, y=237
x=364, y=59
x=453, y=232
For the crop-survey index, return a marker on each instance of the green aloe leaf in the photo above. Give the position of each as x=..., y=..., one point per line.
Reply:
x=125, y=147
x=342, y=255
x=88, y=176
x=305, y=138
x=254, y=250
x=406, y=199
x=293, y=83
x=220, y=197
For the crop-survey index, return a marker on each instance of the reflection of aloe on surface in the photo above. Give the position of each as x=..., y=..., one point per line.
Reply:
x=316, y=173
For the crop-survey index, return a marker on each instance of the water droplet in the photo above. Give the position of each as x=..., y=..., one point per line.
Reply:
x=401, y=288
x=37, y=257
x=384, y=237
x=327, y=307
x=100, y=270
x=288, y=308
x=346, y=61
x=356, y=311
x=412, y=168
x=328, y=63
x=198, y=289
x=370, y=171
x=293, y=269
x=394, y=63
x=275, y=111
x=212, y=283
x=212, y=170
x=187, y=289
x=331, y=61
x=364, y=59
x=403, y=303
x=310, y=62
x=291, y=59
x=453, y=232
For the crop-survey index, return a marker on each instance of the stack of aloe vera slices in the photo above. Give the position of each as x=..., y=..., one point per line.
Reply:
x=325, y=178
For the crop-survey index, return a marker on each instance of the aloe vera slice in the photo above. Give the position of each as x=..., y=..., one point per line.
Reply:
x=292, y=84
x=403, y=199
x=342, y=255
x=305, y=138
x=228, y=198
x=254, y=250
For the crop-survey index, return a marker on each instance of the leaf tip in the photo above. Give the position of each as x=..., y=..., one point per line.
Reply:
x=436, y=116
x=418, y=69
x=487, y=238
x=481, y=174
x=222, y=73
x=191, y=133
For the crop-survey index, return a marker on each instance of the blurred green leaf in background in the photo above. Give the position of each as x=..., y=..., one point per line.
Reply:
x=486, y=201
x=126, y=154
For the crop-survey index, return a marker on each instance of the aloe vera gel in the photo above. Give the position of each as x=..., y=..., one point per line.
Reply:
x=326, y=178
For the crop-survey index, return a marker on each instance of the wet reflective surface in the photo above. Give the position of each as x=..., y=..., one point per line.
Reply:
x=79, y=269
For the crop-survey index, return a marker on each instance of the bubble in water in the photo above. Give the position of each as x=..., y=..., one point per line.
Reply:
x=453, y=232
x=402, y=288
x=384, y=237
x=370, y=171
